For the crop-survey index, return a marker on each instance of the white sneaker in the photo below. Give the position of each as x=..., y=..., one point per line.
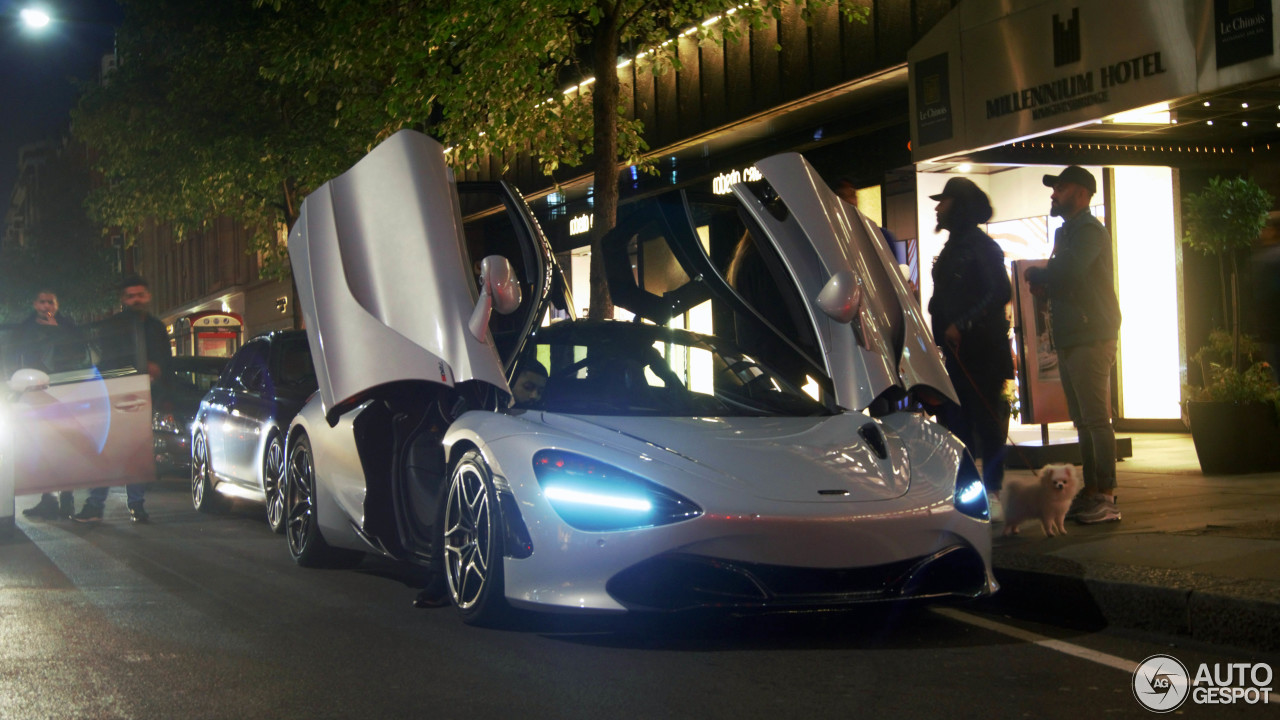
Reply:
x=997, y=510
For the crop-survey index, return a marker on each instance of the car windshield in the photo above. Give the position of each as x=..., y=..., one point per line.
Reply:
x=622, y=368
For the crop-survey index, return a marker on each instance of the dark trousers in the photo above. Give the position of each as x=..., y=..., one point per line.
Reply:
x=1086, y=380
x=980, y=421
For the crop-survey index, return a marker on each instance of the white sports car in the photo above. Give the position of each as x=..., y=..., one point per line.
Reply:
x=635, y=465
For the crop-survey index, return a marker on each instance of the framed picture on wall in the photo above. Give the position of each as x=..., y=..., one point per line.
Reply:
x=1042, y=399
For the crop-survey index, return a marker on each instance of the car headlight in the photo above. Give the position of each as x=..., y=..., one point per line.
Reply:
x=166, y=422
x=971, y=493
x=592, y=496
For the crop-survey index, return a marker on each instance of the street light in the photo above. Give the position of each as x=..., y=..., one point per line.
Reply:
x=34, y=17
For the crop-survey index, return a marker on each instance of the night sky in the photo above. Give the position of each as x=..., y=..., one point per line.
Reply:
x=36, y=72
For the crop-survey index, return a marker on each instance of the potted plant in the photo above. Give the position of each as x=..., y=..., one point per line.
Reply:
x=1233, y=412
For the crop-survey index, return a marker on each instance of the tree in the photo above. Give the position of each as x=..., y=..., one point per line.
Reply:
x=488, y=78
x=187, y=129
x=1222, y=220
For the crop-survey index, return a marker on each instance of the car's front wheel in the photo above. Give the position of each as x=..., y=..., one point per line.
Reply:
x=203, y=496
x=302, y=530
x=470, y=533
x=273, y=482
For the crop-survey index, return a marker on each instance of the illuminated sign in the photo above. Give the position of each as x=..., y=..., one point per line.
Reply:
x=581, y=224
x=724, y=181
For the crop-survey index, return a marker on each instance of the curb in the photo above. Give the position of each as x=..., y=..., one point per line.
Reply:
x=1244, y=614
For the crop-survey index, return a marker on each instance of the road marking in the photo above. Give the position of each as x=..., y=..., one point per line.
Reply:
x=1083, y=653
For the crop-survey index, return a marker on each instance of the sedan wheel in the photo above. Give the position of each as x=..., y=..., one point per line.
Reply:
x=203, y=496
x=273, y=482
x=306, y=544
x=471, y=542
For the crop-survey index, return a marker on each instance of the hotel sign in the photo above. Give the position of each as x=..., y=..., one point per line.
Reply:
x=1049, y=65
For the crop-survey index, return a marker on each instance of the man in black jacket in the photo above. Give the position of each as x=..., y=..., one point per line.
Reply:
x=135, y=296
x=38, y=337
x=970, y=292
x=1085, y=318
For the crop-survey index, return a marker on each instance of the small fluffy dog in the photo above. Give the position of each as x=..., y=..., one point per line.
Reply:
x=1046, y=497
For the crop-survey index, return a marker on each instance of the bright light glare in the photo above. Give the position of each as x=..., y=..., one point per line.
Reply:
x=34, y=17
x=563, y=494
x=971, y=493
x=1146, y=263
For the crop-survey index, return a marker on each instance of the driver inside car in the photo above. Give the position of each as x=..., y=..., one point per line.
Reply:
x=530, y=382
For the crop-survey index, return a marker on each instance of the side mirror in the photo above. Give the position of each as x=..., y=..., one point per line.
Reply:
x=499, y=290
x=27, y=379
x=841, y=297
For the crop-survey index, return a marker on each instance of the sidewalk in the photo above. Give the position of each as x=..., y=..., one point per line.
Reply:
x=1195, y=555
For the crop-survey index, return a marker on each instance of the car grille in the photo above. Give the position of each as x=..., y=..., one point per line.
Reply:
x=680, y=581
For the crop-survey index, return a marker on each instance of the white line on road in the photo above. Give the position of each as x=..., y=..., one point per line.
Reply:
x=1083, y=653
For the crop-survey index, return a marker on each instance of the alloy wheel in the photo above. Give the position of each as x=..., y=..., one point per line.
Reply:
x=299, y=499
x=201, y=480
x=468, y=536
x=273, y=472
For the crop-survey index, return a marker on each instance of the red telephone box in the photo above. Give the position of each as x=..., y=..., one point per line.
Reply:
x=211, y=333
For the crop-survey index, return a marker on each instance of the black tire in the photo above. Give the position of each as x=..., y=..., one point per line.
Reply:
x=469, y=528
x=302, y=527
x=273, y=473
x=204, y=497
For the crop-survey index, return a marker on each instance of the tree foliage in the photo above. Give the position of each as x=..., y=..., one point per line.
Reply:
x=221, y=109
x=187, y=129
x=496, y=78
x=1221, y=220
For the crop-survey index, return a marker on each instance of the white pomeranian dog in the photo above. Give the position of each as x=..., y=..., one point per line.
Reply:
x=1045, y=497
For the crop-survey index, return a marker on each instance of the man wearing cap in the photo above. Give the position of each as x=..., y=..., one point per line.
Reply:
x=967, y=309
x=1085, y=318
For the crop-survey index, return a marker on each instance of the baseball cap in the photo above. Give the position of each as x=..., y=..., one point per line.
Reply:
x=958, y=187
x=1073, y=174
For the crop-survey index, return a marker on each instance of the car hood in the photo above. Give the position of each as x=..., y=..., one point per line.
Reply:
x=384, y=287
x=788, y=459
x=888, y=342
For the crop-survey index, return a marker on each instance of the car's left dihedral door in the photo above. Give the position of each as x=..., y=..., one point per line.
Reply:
x=92, y=425
x=384, y=282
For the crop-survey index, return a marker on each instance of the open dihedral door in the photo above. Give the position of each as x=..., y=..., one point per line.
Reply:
x=388, y=262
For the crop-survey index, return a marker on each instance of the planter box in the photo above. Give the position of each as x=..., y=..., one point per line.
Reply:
x=1233, y=438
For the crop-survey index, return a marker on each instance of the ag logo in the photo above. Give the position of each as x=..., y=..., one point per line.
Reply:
x=1161, y=683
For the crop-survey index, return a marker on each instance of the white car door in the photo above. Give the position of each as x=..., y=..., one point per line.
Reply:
x=384, y=282
x=81, y=416
x=825, y=241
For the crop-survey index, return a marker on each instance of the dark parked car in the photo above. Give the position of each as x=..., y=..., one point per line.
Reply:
x=237, y=439
x=174, y=403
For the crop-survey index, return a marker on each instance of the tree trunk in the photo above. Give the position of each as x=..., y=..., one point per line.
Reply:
x=1235, y=312
x=604, y=110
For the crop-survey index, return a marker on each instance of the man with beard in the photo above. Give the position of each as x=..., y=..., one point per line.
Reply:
x=39, y=336
x=1085, y=320
x=135, y=296
x=970, y=291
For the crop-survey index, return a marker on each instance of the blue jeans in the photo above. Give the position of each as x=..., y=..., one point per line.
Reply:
x=135, y=492
x=1086, y=378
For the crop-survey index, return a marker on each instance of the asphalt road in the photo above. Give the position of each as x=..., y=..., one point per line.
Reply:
x=196, y=616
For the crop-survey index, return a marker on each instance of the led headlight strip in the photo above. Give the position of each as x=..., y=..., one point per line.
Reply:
x=596, y=497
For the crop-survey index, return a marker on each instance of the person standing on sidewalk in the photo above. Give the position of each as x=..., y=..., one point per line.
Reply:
x=39, y=332
x=970, y=292
x=135, y=296
x=1079, y=281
